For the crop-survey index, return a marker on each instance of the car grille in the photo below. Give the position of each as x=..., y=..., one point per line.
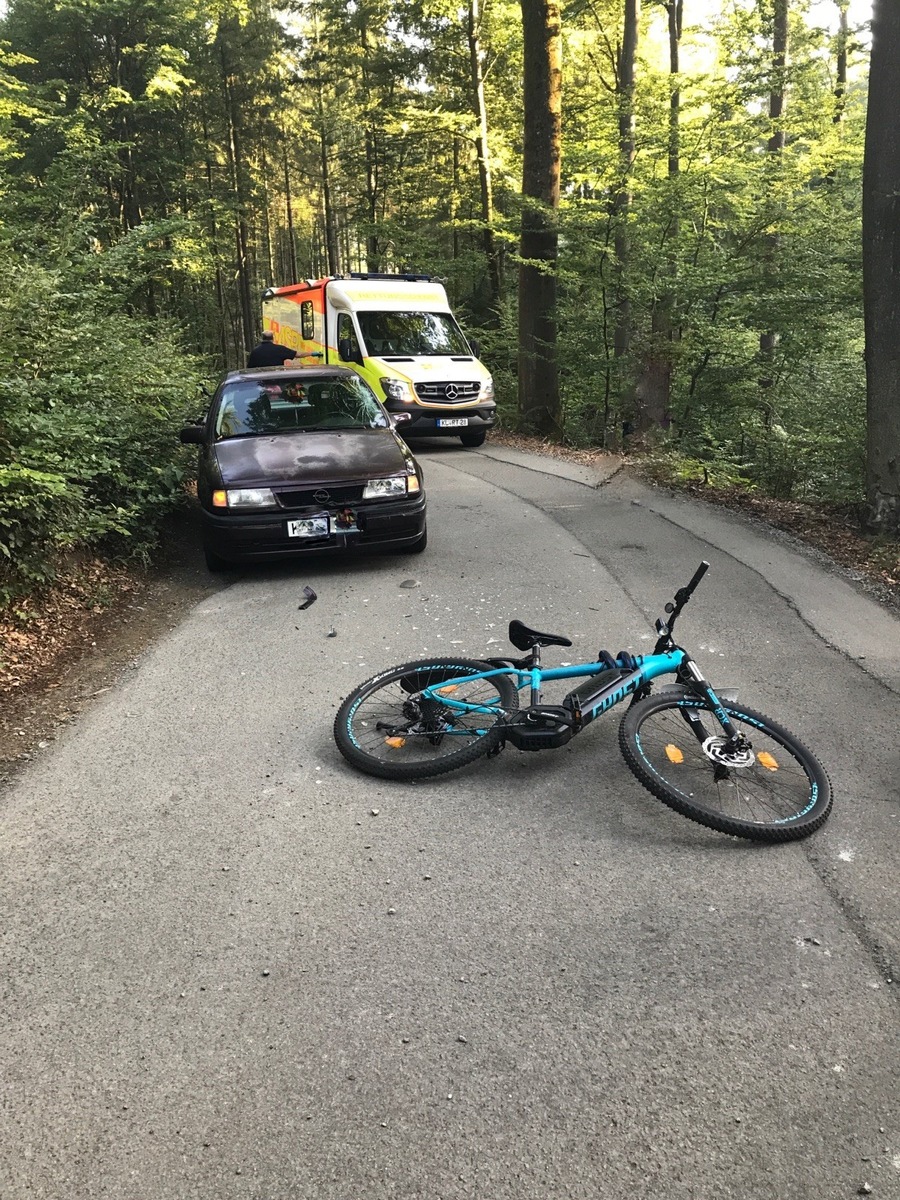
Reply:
x=463, y=392
x=321, y=497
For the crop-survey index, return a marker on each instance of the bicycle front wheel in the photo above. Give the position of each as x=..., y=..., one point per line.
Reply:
x=387, y=728
x=776, y=791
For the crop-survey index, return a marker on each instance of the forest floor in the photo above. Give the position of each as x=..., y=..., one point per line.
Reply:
x=60, y=650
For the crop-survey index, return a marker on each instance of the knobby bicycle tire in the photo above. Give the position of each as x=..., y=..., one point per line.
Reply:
x=781, y=795
x=384, y=729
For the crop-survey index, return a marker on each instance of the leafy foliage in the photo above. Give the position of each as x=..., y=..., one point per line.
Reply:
x=88, y=412
x=163, y=163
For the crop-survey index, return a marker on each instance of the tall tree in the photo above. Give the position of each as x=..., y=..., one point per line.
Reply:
x=489, y=239
x=881, y=271
x=539, y=399
x=768, y=339
x=622, y=199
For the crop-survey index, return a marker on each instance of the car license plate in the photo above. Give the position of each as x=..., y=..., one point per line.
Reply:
x=308, y=527
x=453, y=423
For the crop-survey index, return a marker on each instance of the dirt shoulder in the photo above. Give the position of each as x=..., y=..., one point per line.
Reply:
x=58, y=652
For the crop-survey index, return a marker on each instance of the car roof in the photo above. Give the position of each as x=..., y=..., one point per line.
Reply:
x=309, y=373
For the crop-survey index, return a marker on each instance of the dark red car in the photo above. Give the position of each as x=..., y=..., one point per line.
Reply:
x=300, y=460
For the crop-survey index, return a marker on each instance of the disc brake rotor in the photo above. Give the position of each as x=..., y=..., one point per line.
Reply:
x=718, y=750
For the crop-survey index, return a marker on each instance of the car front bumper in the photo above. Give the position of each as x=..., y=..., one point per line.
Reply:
x=260, y=535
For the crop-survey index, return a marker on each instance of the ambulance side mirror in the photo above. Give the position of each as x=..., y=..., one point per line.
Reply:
x=475, y=346
x=347, y=352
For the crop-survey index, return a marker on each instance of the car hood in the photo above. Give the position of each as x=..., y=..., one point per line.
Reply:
x=324, y=456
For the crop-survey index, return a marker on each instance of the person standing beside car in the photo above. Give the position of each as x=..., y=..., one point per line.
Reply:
x=270, y=353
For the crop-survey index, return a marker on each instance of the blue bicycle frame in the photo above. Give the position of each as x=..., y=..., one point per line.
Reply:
x=582, y=705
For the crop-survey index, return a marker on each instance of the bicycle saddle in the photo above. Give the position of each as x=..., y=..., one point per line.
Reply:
x=524, y=638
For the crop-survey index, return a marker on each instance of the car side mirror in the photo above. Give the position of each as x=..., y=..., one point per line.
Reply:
x=193, y=435
x=475, y=347
x=399, y=418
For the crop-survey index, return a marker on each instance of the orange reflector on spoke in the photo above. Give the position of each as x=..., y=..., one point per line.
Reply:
x=766, y=759
x=445, y=691
x=395, y=742
x=673, y=754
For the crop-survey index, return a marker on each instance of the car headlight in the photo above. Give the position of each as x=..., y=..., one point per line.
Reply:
x=377, y=489
x=244, y=498
x=397, y=389
x=487, y=390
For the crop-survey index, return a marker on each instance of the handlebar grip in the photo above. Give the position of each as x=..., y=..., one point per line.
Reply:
x=698, y=575
x=684, y=593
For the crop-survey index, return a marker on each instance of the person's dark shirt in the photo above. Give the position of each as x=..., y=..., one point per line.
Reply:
x=269, y=354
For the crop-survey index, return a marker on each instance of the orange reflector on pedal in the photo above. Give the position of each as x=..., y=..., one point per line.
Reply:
x=673, y=754
x=395, y=742
x=766, y=759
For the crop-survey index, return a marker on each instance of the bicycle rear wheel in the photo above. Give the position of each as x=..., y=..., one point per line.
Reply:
x=386, y=728
x=777, y=792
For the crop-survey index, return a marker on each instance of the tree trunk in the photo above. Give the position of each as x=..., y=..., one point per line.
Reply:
x=768, y=339
x=214, y=235
x=489, y=242
x=331, y=241
x=539, y=400
x=881, y=272
x=653, y=389
x=241, y=233
x=289, y=209
x=840, y=81
x=621, y=204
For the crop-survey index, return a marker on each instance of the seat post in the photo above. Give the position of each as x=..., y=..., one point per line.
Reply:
x=535, y=665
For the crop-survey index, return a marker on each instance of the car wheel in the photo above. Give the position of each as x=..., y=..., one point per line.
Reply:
x=473, y=437
x=419, y=544
x=214, y=562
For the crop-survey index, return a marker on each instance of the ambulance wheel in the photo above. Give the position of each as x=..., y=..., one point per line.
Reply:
x=473, y=437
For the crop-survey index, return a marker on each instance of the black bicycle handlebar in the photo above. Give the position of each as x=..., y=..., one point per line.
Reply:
x=664, y=628
x=684, y=594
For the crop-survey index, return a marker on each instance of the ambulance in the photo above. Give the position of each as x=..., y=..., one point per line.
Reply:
x=398, y=333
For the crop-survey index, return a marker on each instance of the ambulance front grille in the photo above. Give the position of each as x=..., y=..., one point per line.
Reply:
x=462, y=392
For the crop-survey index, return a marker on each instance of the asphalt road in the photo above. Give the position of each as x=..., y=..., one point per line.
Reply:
x=233, y=968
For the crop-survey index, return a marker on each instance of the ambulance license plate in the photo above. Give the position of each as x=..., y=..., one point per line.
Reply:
x=308, y=527
x=453, y=422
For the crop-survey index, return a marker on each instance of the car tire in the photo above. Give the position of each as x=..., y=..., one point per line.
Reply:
x=472, y=438
x=214, y=563
x=419, y=544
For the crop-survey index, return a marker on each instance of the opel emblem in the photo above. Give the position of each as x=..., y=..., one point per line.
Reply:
x=451, y=391
x=321, y=496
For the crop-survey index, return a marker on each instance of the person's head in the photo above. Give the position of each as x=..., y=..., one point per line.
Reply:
x=268, y=335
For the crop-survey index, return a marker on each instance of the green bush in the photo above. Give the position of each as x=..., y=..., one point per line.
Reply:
x=89, y=417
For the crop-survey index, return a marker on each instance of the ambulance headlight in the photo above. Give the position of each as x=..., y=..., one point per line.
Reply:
x=397, y=389
x=487, y=389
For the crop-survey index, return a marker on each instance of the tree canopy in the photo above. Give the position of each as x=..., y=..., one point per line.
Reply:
x=164, y=163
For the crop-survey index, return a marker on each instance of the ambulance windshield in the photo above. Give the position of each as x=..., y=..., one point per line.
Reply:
x=402, y=334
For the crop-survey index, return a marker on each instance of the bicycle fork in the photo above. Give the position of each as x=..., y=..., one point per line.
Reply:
x=735, y=750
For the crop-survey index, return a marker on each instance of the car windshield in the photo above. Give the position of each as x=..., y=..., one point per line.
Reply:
x=409, y=333
x=249, y=408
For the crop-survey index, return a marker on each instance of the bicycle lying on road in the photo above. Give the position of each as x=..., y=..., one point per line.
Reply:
x=708, y=757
